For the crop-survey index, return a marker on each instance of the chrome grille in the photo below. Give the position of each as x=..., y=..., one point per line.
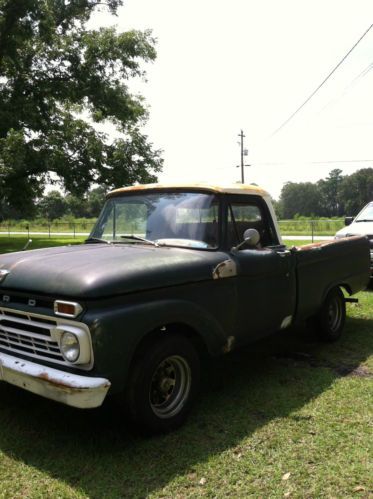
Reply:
x=37, y=336
x=29, y=335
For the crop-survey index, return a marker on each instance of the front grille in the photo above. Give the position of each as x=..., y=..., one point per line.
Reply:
x=38, y=337
x=27, y=334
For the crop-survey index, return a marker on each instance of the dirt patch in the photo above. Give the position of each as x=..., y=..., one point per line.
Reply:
x=311, y=361
x=359, y=372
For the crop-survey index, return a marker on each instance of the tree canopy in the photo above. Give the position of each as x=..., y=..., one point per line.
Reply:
x=336, y=195
x=57, y=78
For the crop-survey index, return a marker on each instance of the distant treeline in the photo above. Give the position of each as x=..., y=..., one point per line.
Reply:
x=55, y=206
x=335, y=196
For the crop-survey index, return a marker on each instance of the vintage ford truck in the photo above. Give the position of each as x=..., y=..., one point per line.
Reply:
x=169, y=273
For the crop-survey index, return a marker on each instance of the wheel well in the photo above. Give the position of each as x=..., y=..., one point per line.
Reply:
x=174, y=328
x=345, y=287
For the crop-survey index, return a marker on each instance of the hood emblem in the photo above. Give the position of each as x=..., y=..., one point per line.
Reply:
x=3, y=274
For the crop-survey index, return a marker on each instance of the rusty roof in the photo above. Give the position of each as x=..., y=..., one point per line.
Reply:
x=221, y=188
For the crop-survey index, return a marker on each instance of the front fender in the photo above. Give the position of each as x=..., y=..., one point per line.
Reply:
x=117, y=331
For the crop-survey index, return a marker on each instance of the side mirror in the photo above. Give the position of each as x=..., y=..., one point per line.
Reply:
x=251, y=238
x=349, y=220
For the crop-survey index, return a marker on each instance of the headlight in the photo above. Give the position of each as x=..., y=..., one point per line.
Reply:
x=70, y=347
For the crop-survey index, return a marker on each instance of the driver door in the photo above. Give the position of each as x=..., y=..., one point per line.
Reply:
x=265, y=274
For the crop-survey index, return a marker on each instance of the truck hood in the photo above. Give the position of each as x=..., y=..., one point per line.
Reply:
x=356, y=229
x=98, y=270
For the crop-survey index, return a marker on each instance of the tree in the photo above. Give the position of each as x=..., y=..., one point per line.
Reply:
x=95, y=201
x=331, y=201
x=300, y=199
x=52, y=206
x=357, y=190
x=54, y=71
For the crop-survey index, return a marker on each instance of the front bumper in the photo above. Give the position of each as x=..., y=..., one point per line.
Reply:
x=70, y=389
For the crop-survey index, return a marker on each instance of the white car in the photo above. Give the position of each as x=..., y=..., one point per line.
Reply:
x=360, y=225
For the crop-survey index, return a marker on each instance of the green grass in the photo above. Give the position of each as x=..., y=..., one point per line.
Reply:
x=17, y=243
x=286, y=417
x=318, y=227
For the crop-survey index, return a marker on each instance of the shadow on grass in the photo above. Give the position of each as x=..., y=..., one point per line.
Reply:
x=94, y=453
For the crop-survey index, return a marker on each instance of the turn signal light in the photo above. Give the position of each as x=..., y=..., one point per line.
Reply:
x=67, y=308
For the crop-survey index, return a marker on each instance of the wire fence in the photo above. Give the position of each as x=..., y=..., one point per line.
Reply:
x=309, y=229
x=49, y=229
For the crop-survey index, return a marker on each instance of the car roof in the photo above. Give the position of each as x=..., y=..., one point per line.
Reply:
x=218, y=188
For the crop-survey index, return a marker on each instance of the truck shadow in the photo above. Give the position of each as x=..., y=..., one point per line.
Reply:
x=95, y=453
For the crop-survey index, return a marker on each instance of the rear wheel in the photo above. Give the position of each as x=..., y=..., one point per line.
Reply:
x=163, y=384
x=331, y=319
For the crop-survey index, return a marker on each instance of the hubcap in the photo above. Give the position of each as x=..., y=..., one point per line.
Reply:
x=334, y=314
x=170, y=386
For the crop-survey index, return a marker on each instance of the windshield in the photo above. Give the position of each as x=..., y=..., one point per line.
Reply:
x=366, y=214
x=174, y=219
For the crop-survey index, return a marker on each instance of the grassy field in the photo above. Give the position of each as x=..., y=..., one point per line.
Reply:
x=17, y=243
x=307, y=227
x=286, y=417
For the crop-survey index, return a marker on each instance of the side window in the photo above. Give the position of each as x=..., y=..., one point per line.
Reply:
x=243, y=216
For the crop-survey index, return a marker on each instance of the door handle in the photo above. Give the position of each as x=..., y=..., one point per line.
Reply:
x=283, y=253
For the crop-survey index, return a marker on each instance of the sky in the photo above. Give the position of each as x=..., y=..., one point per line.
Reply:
x=223, y=67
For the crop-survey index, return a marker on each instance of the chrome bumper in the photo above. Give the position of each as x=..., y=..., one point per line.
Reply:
x=70, y=389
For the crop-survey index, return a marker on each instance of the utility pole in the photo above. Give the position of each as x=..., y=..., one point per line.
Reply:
x=243, y=153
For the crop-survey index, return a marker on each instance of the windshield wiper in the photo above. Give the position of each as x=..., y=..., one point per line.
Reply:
x=138, y=238
x=364, y=220
x=96, y=240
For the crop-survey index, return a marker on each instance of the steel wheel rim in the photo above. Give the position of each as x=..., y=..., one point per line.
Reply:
x=334, y=314
x=170, y=386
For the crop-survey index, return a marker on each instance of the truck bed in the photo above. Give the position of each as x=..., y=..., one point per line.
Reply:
x=324, y=265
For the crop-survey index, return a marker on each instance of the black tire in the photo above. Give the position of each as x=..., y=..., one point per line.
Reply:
x=331, y=319
x=163, y=383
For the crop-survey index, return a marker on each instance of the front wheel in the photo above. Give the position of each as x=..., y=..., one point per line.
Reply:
x=331, y=319
x=163, y=384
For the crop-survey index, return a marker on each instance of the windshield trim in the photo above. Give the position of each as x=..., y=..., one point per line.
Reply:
x=215, y=195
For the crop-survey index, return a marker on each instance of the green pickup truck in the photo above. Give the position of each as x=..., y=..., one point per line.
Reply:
x=168, y=274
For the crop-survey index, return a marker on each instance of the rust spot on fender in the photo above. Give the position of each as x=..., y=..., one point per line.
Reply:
x=228, y=347
x=225, y=269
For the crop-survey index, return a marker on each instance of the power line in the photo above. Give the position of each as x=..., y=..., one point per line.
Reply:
x=352, y=84
x=345, y=161
x=322, y=83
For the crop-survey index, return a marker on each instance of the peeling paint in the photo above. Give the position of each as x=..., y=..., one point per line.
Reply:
x=225, y=269
x=71, y=389
x=286, y=322
x=228, y=347
x=228, y=188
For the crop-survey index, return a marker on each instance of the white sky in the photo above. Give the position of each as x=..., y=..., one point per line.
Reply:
x=248, y=64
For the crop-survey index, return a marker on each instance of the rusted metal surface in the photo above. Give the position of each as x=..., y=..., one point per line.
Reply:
x=227, y=188
x=228, y=268
x=71, y=389
x=228, y=347
x=321, y=244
